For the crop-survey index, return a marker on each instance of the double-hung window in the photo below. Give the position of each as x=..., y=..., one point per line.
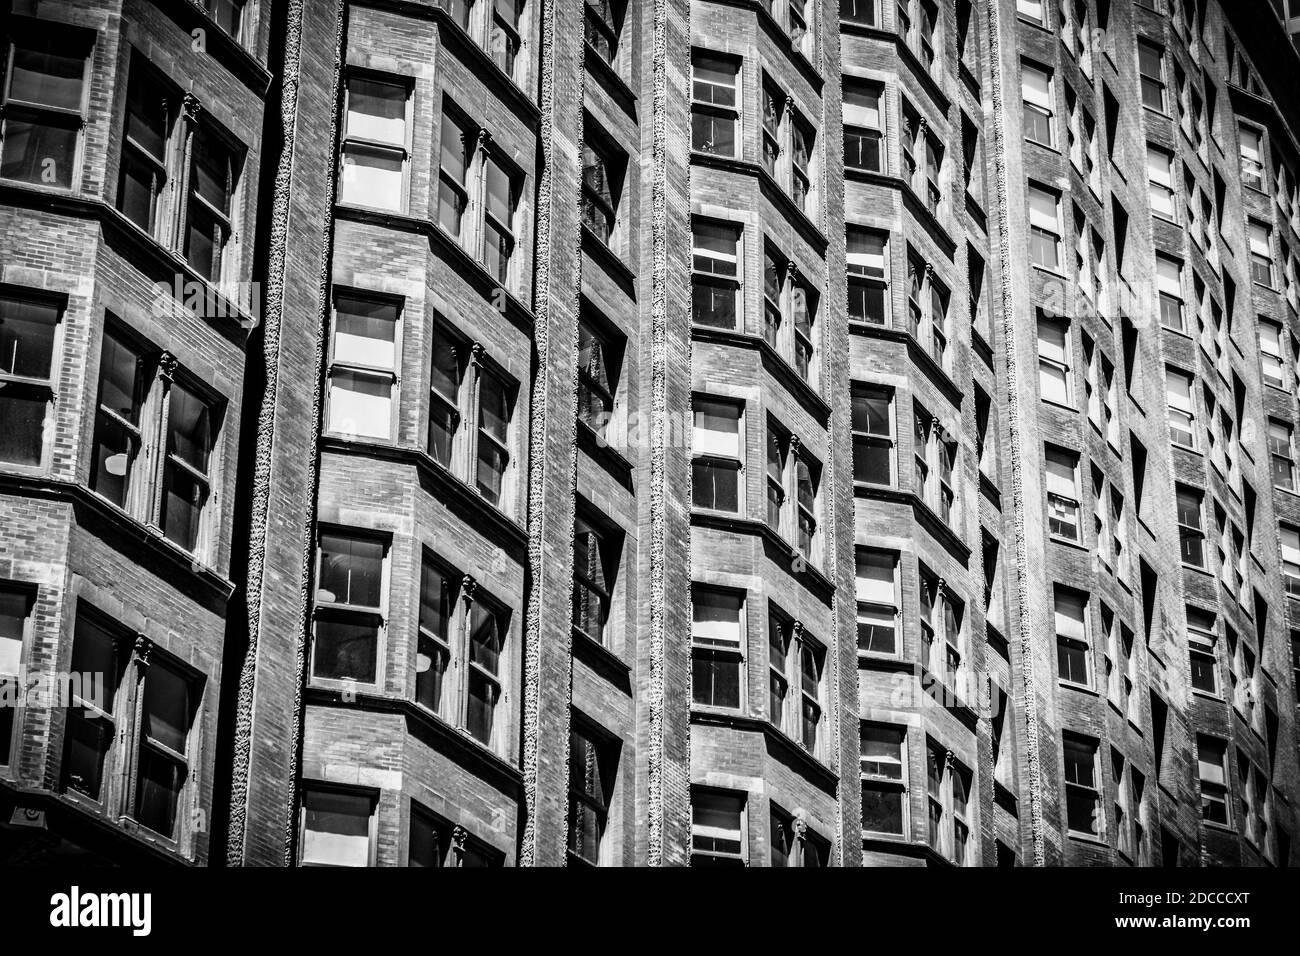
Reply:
x=795, y=660
x=1191, y=525
x=504, y=37
x=862, y=12
x=599, y=357
x=883, y=771
x=717, y=646
x=454, y=156
x=716, y=454
x=1044, y=227
x=350, y=608
x=446, y=379
x=1182, y=408
x=873, y=434
x=1260, y=238
x=593, y=760
x=595, y=563
x=787, y=147
x=30, y=336
x=935, y=454
x=1055, y=375
x=1062, y=471
x=500, y=199
x=1169, y=284
x=602, y=181
x=864, y=125
x=337, y=827
x=363, y=366
x=1073, y=636
x=45, y=96
x=1211, y=760
x=790, y=314
x=1151, y=71
x=602, y=24
x=15, y=622
x=715, y=104
x=1252, y=157
x=376, y=147
x=718, y=835
x=1290, y=558
x=1281, y=447
x=876, y=588
x=209, y=224
x=99, y=657
x=166, y=714
x=146, y=154
x=1202, y=642
x=868, y=275
x=1160, y=183
x=478, y=195
x=1036, y=93
x=942, y=634
x=1083, y=806
x=436, y=843
x=715, y=273
x=948, y=786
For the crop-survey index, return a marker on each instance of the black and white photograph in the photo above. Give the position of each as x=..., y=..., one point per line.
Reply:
x=649, y=434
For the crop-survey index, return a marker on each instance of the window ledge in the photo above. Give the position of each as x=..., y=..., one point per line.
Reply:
x=774, y=362
x=1081, y=688
x=922, y=513
x=803, y=224
x=777, y=741
x=991, y=491
x=480, y=514
x=204, y=583
x=432, y=729
x=599, y=450
x=602, y=660
x=810, y=576
x=465, y=265
x=610, y=261
x=881, y=662
x=933, y=227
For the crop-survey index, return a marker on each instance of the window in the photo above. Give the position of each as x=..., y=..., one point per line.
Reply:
x=873, y=434
x=943, y=640
x=977, y=278
x=1281, y=447
x=1182, y=408
x=878, y=601
x=1202, y=639
x=1191, y=530
x=715, y=275
x=1130, y=832
x=868, y=279
x=1033, y=11
x=793, y=843
x=469, y=168
x=1169, y=283
x=1252, y=157
x=91, y=726
x=1160, y=183
x=1044, y=227
x=602, y=185
x=1003, y=731
x=363, y=367
x=599, y=362
x=794, y=478
x=715, y=104
x=787, y=147
x=863, y=12
x=375, y=147
x=439, y=590
x=935, y=454
x=923, y=157
x=1073, y=636
x=1270, y=351
x=1151, y=69
x=454, y=159
x=1290, y=558
x=717, y=646
x=30, y=326
x=1082, y=786
x=595, y=564
x=503, y=34
x=145, y=152
x=1256, y=805
x=790, y=314
x=337, y=828
x=1062, y=471
x=350, y=607
x=717, y=828
x=795, y=660
x=1210, y=757
x=1036, y=92
x=435, y=842
x=948, y=786
x=927, y=311
x=917, y=24
x=43, y=107
x=127, y=387
x=716, y=462
x=883, y=771
x=1055, y=377
x=864, y=125
x=167, y=713
x=15, y=620
x=592, y=764
x=1261, y=256
x=486, y=440
x=603, y=21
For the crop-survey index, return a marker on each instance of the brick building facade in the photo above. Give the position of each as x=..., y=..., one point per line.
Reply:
x=439, y=434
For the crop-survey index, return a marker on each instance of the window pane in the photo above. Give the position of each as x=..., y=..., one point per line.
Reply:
x=38, y=152
x=158, y=790
x=182, y=506
x=365, y=332
x=372, y=177
x=351, y=571
x=167, y=707
x=345, y=650
x=46, y=76
x=376, y=111
x=189, y=434
x=22, y=426
x=336, y=829
x=360, y=404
